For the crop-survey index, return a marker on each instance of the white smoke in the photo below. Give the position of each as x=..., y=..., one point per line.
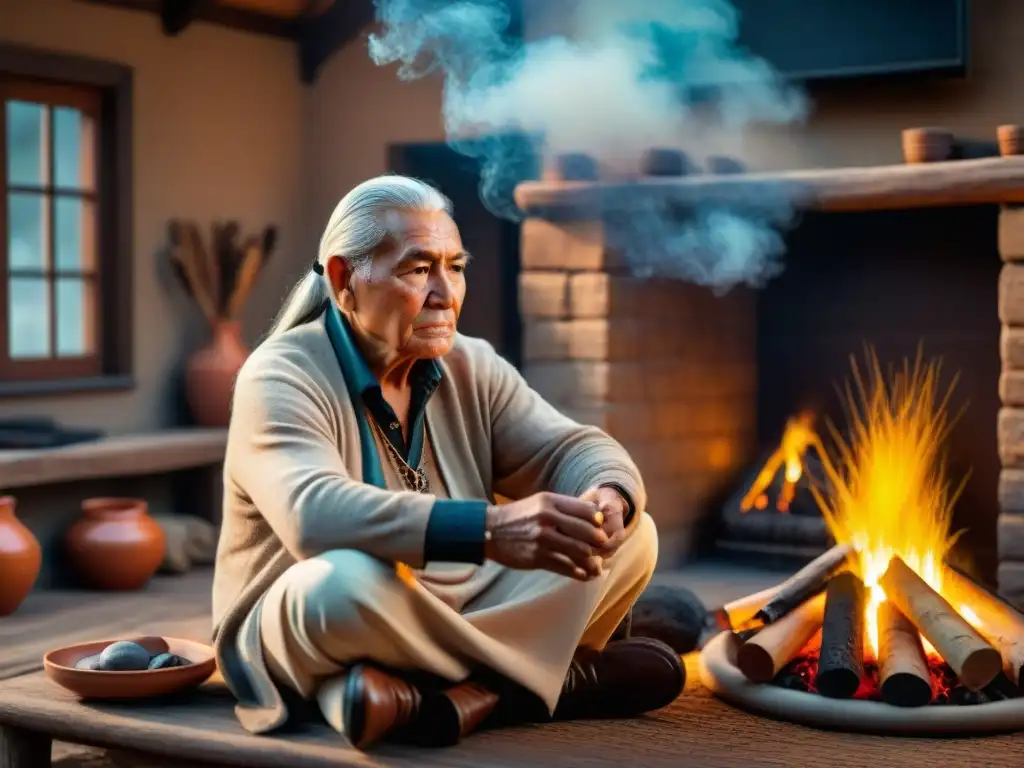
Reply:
x=632, y=75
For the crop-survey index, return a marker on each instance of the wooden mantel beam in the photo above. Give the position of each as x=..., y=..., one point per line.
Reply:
x=955, y=182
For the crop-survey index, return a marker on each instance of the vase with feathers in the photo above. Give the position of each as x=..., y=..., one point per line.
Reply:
x=218, y=281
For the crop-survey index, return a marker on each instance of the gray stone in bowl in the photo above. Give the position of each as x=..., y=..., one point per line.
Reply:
x=124, y=656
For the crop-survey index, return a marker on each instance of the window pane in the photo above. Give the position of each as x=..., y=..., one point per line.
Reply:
x=28, y=318
x=27, y=239
x=26, y=143
x=74, y=235
x=72, y=149
x=75, y=333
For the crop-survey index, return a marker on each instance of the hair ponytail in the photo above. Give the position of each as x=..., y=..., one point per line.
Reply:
x=353, y=232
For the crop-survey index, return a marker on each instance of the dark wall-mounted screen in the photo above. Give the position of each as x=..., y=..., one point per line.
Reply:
x=830, y=39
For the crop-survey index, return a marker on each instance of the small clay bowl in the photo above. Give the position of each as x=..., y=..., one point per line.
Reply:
x=1010, y=140
x=95, y=684
x=927, y=145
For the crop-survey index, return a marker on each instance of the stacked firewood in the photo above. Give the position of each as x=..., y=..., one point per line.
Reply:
x=986, y=654
x=220, y=280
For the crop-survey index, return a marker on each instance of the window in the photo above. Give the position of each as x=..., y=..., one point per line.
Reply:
x=65, y=257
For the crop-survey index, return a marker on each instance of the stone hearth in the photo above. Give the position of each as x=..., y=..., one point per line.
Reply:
x=670, y=369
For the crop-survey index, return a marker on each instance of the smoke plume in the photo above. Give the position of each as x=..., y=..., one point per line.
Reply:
x=625, y=76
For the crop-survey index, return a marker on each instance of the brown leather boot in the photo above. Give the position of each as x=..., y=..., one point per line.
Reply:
x=628, y=678
x=377, y=705
x=448, y=716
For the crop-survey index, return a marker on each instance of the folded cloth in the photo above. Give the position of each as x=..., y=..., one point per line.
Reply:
x=29, y=432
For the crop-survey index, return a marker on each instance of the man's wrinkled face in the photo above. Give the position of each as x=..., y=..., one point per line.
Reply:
x=410, y=296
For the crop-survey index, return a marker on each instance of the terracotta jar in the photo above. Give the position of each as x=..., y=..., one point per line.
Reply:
x=115, y=545
x=1010, y=140
x=927, y=145
x=20, y=558
x=210, y=375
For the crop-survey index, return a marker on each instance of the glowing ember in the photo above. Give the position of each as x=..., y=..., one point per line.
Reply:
x=888, y=493
x=788, y=457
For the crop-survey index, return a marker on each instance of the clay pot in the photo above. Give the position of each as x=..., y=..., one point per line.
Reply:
x=115, y=545
x=664, y=162
x=1010, y=140
x=210, y=375
x=725, y=166
x=572, y=166
x=20, y=558
x=927, y=145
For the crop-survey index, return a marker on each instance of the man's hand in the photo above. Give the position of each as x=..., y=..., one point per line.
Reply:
x=613, y=509
x=547, y=531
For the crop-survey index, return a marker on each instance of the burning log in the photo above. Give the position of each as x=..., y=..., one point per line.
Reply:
x=974, y=661
x=804, y=584
x=903, y=668
x=742, y=611
x=998, y=621
x=762, y=656
x=841, y=658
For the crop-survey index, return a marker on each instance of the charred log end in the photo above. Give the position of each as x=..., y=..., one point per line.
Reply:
x=841, y=660
x=906, y=690
x=837, y=683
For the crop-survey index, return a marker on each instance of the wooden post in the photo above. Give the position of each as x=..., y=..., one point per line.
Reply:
x=24, y=749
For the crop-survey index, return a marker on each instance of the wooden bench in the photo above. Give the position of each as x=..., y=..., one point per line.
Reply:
x=194, y=453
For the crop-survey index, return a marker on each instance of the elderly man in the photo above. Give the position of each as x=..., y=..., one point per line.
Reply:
x=364, y=562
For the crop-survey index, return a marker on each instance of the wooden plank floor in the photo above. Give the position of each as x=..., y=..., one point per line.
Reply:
x=202, y=729
x=696, y=730
x=51, y=619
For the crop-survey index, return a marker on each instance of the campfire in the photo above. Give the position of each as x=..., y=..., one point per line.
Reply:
x=881, y=615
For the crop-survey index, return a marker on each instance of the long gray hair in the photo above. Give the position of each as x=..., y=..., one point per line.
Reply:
x=353, y=232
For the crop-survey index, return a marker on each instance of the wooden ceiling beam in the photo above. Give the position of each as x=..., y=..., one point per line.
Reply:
x=322, y=35
x=176, y=15
x=215, y=13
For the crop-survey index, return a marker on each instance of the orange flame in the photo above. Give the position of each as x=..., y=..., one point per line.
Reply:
x=889, y=494
x=788, y=457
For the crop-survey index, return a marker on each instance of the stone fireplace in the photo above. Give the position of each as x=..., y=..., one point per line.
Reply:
x=649, y=361
x=694, y=384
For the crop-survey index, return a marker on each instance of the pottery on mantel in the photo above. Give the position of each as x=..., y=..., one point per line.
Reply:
x=210, y=375
x=115, y=545
x=20, y=558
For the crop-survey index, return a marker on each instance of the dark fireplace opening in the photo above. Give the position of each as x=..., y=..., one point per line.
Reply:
x=898, y=281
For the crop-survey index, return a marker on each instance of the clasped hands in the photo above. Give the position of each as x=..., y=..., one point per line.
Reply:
x=562, y=534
